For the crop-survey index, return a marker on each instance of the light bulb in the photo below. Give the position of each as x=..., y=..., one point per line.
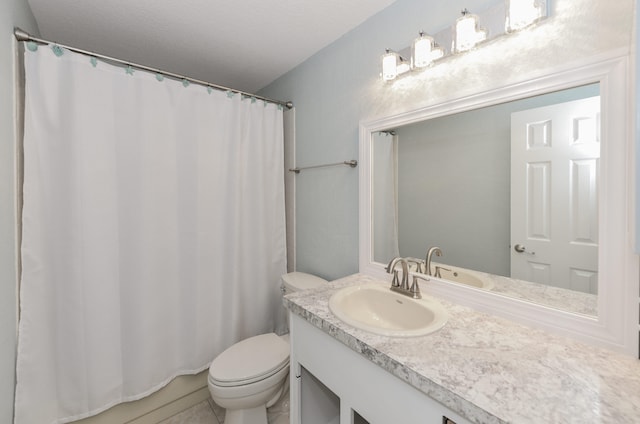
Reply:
x=425, y=51
x=522, y=13
x=467, y=33
x=389, y=65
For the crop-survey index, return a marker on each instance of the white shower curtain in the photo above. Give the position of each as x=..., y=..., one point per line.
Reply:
x=385, y=197
x=153, y=231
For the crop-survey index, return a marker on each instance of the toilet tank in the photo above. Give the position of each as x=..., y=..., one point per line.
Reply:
x=296, y=281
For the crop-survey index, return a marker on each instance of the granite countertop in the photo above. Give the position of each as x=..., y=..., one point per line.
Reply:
x=554, y=297
x=491, y=370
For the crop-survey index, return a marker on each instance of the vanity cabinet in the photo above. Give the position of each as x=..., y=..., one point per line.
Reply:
x=330, y=384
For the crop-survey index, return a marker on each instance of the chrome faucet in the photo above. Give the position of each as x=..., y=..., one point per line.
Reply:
x=403, y=287
x=430, y=254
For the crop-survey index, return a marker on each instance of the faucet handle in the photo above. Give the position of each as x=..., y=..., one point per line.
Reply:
x=395, y=282
x=391, y=269
x=438, y=269
x=418, y=263
x=415, y=288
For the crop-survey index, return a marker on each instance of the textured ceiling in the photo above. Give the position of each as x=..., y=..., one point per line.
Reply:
x=242, y=44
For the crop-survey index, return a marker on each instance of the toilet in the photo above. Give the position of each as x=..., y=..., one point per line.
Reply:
x=250, y=376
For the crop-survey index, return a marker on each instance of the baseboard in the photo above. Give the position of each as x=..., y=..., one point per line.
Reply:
x=182, y=393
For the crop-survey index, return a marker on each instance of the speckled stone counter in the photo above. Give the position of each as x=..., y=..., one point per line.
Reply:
x=491, y=370
x=554, y=297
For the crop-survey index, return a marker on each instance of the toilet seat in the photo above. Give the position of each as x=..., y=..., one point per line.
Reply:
x=251, y=360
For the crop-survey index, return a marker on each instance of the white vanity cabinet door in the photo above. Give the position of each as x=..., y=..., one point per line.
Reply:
x=361, y=386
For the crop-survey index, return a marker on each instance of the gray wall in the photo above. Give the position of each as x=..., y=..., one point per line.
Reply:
x=12, y=13
x=453, y=189
x=339, y=87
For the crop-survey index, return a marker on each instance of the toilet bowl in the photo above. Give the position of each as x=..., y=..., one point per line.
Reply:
x=250, y=376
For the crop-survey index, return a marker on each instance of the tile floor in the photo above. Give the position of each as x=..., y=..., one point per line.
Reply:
x=207, y=412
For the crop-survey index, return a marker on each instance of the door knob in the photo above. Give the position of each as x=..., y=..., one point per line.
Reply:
x=519, y=248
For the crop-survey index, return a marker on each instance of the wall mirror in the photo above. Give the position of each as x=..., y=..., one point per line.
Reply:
x=523, y=189
x=481, y=184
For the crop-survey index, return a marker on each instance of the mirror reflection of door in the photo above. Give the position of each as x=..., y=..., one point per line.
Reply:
x=555, y=153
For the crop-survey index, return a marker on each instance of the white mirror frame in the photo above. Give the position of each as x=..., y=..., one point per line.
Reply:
x=616, y=326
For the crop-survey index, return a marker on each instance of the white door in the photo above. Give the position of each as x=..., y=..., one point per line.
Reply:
x=555, y=153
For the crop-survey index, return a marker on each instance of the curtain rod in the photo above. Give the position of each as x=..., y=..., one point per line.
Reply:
x=25, y=36
x=352, y=163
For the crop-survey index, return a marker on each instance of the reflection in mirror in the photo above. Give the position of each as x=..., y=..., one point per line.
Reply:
x=509, y=190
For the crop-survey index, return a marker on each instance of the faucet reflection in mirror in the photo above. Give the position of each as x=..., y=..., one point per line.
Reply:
x=427, y=262
x=465, y=35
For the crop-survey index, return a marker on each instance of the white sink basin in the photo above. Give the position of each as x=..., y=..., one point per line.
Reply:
x=376, y=309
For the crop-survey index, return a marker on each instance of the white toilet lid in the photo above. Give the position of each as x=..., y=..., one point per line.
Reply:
x=250, y=360
x=296, y=281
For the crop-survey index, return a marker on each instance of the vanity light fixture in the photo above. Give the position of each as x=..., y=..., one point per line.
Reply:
x=393, y=65
x=425, y=51
x=505, y=17
x=467, y=34
x=522, y=13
